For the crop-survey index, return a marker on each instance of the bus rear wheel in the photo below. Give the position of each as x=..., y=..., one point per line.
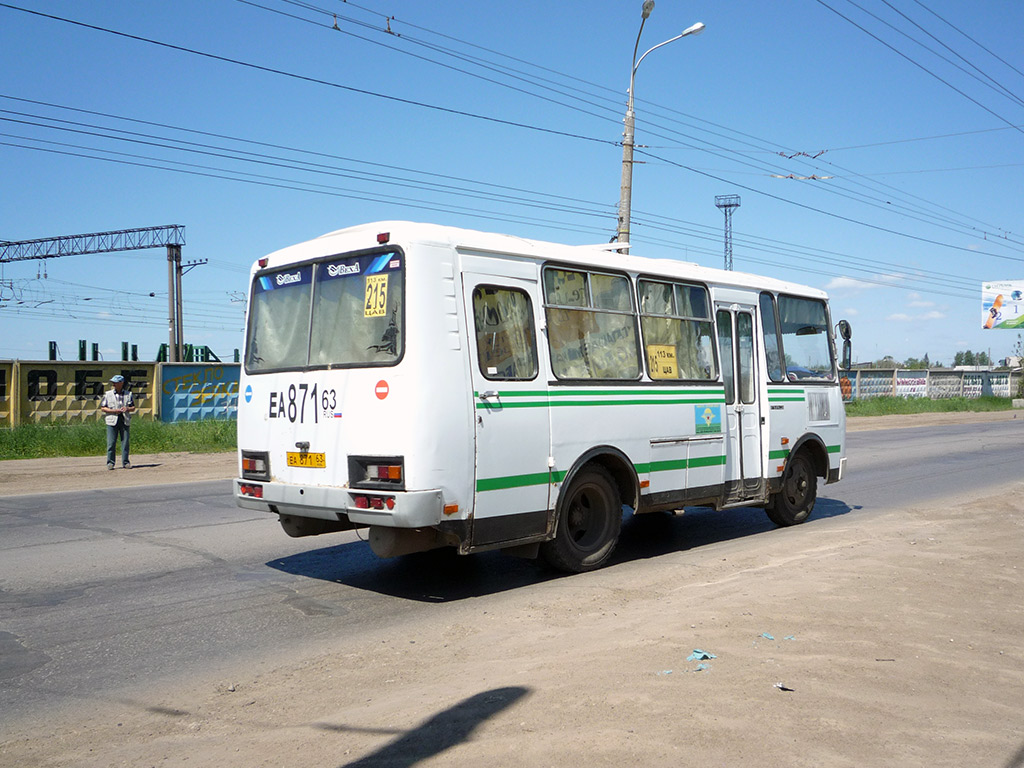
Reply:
x=795, y=500
x=589, y=523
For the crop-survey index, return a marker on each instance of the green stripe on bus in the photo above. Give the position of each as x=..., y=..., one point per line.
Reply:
x=710, y=392
x=488, y=406
x=541, y=478
x=784, y=453
x=518, y=481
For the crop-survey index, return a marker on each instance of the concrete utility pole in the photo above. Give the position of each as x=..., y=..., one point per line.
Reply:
x=172, y=236
x=728, y=204
x=626, y=188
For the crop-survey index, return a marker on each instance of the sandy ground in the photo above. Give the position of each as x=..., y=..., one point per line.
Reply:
x=896, y=640
x=26, y=476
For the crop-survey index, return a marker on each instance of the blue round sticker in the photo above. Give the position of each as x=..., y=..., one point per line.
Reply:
x=248, y=393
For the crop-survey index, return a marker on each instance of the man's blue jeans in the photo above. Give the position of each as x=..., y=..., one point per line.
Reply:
x=113, y=432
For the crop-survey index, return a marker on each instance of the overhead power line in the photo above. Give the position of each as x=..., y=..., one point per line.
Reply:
x=307, y=78
x=306, y=186
x=919, y=65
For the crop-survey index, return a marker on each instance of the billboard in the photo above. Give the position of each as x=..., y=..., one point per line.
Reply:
x=1002, y=304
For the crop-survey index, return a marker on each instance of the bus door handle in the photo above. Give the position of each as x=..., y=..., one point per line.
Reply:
x=489, y=394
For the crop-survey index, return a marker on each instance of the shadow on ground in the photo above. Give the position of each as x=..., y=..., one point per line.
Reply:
x=443, y=731
x=443, y=576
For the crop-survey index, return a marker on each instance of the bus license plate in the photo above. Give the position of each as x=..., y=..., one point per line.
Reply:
x=311, y=460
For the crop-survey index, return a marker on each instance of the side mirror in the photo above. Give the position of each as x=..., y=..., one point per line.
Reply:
x=847, y=353
x=844, y=330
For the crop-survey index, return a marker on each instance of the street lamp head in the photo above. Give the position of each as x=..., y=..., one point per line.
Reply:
x=647, y=8
x=696, y=29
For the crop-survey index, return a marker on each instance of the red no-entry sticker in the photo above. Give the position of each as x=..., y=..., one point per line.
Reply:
x=382, y=389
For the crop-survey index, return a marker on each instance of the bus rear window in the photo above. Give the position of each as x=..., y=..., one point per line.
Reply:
x=279, y=320
x=357, y=311
x=342, y=312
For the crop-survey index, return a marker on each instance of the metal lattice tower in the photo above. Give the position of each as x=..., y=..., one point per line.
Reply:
x=728, y=204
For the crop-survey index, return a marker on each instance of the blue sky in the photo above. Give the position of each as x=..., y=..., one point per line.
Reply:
x=257, y=125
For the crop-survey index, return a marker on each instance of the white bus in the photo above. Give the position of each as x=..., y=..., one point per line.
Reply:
x=445, y=387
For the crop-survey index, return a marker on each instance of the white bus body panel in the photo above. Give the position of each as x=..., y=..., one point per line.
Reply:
x=485, y=452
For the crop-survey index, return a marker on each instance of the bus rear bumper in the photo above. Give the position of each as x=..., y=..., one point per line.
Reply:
x=410, y=509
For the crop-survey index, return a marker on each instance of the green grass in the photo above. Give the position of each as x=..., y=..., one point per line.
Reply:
x=35, y=441
x=887, y=406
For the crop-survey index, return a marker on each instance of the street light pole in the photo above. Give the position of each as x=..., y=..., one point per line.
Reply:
x=626, y=189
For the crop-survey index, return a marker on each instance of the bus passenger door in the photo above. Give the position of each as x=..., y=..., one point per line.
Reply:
x=510, y=405
x=743, y=471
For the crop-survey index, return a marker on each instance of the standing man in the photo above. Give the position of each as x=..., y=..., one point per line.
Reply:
x=118, y=405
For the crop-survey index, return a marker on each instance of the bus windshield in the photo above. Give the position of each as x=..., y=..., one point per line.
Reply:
x=343, y=312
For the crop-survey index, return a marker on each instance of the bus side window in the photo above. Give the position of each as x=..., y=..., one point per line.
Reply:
x=726, y=354
x=505, y=340
x=591, y=325
x=677, y=334
x=773, y=355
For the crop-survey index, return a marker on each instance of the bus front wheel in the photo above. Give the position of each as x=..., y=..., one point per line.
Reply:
x=795, y=500
x=589, y=523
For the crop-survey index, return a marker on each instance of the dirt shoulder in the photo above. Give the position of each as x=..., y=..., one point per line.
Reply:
x=867, y=423
x=86, y=473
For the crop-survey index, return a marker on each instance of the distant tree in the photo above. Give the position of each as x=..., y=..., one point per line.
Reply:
x=927, y=364
x=886, y=362
x=914, y=363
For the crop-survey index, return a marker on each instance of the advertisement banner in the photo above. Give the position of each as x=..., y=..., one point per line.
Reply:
x=911, y=383
x=70, y=392
x=193, y=392
x=1002, y=305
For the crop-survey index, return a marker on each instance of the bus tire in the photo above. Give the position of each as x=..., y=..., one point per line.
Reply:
x=795, y=500
x=589, y=523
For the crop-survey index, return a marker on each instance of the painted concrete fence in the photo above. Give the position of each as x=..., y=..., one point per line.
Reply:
x=35, y=392
x=938, y=384
x=50, y=391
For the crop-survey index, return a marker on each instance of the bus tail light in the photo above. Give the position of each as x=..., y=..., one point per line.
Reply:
x=255, y=465
x=385, y=472
x=255, y=491
x=377, y=472
x=374, y=502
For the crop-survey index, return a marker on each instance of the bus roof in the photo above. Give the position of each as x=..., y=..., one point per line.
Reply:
x=467, y=240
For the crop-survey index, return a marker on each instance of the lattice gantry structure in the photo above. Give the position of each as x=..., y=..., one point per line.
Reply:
x=171, y=236
x=728, y=204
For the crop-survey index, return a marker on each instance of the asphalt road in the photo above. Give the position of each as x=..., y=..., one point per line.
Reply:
x=106, y=593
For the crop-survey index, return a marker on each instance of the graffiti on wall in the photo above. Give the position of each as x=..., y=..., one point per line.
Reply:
x=71, y=392
x=6, y=408
x=194, y=392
